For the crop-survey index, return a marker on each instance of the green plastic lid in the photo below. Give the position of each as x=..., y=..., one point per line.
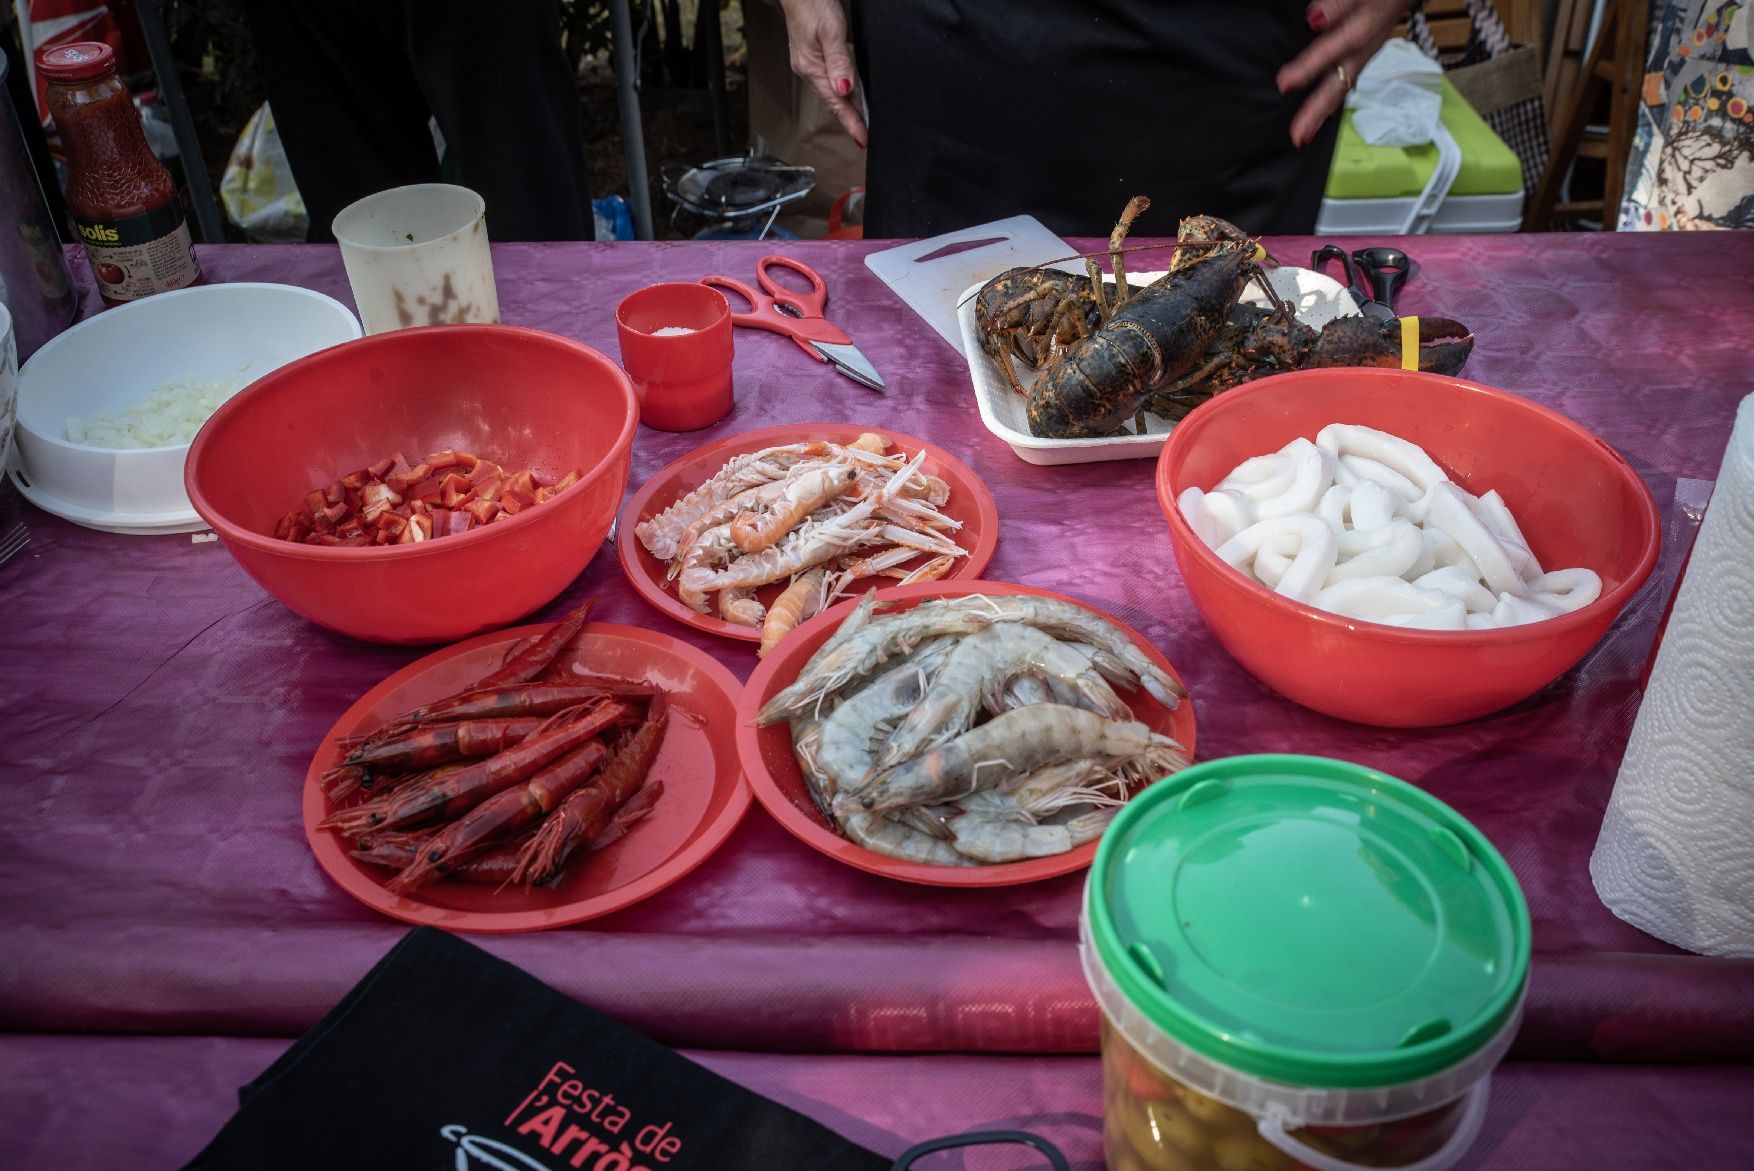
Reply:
x=1362, y=171
x=1309, y=921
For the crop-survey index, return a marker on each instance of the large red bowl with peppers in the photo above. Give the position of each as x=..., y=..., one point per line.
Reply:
x=519, y=397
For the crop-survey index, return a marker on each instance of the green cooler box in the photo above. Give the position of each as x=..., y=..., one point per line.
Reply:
x=1377, y=190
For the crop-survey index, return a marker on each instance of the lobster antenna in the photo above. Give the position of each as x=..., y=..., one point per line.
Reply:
x=1141, y=248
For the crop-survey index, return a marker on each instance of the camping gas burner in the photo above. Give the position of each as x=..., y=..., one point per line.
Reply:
x=735, y=191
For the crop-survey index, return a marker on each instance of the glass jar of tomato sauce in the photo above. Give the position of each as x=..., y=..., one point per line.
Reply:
x=1301, y=963
x=122, y=201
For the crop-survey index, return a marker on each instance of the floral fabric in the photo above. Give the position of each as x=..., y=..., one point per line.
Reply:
x=1692, y=162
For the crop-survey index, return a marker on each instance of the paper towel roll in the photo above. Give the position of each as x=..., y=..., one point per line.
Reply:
x=1676, y=853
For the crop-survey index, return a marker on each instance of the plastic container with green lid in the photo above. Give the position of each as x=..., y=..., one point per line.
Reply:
x=1300, y=962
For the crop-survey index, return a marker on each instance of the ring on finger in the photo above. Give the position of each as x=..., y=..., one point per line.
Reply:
x=1345, y=80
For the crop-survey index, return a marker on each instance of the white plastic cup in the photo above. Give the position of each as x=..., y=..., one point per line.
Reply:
x=418, y=255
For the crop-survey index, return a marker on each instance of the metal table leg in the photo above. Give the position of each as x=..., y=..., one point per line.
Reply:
x=170, y=92
x=633, y=139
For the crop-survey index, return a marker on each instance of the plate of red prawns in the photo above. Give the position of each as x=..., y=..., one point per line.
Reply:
x=751, y=535
x=531, y=778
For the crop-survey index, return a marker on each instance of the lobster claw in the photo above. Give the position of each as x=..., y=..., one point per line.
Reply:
x=1444, y=345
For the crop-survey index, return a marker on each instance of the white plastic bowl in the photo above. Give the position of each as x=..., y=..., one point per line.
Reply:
x=114, y=360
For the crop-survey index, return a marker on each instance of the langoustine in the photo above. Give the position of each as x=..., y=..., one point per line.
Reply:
x=847, y=510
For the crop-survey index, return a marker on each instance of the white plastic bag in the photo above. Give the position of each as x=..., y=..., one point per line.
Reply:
x=257, y=188
x=1398, y=97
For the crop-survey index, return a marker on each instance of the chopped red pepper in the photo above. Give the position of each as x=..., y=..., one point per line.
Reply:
x=448, y=493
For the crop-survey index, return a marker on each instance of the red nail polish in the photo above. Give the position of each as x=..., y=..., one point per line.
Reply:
x=1318, y=20
x=843, y=86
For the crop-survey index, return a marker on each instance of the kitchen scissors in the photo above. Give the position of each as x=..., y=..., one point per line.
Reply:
x=1376, y=279
x=798, y=315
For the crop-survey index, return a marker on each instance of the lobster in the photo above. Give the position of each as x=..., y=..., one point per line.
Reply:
x=1255, y=343
x=1106, y=351
x=1148, y=337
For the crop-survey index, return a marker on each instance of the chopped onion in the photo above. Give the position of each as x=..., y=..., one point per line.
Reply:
x=169, y=415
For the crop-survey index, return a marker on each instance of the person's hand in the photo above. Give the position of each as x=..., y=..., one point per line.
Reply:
x=1349, y=34
x=816, y=34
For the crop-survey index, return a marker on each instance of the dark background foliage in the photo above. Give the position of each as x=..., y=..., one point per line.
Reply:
x=217, y=61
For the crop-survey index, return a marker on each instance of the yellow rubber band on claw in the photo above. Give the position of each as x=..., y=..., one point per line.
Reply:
x=1409, y=343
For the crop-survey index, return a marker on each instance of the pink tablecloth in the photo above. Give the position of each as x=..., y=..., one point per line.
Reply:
x=164, y=929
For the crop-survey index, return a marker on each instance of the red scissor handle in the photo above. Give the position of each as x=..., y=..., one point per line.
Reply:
x=796, y=314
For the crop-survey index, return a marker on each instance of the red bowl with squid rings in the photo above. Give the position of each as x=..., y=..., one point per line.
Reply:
x=1578, y=502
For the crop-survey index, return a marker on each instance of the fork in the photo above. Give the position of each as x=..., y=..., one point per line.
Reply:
x=12, y=542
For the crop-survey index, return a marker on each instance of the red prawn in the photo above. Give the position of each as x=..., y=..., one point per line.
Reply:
x=504, y=813
x=462, y=790
x=590, y=810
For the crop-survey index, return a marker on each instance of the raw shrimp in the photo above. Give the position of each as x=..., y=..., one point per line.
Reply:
x=503, y=813
x=852, y=657
x=1065, y=620
x=806, y=746
x=802, y=496
x=1018, y=741
x=978, y=670
x=711, y=551
x=534, y=658
x=884, y=835
x=926, y=541
x=527, y=699
x=802, y=549
x=728, y=510
x=424, y=745
x=987, y=839
x=397, y=850
x=879, y=562
x=741, y=607
x=660, y=533
x=845, y=752
x=798, y=601
x=588, y=811
x=1086, y=780
x=932, y=570
x=457, y=792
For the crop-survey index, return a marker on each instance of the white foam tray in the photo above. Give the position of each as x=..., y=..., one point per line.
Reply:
x=1319, y=299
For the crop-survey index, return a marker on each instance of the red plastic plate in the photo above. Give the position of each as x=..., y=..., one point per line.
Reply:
x=970, y=503
x=773, y=773
x=704, y=794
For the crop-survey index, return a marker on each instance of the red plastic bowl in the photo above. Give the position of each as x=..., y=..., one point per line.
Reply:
x=1576, y=499
x=520, y=397
x=774, y=776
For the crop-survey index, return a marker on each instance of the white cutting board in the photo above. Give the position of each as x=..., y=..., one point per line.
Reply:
x=932, y=285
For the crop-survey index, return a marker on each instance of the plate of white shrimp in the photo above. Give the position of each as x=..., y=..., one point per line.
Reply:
x=749, y=536
x=960, y=733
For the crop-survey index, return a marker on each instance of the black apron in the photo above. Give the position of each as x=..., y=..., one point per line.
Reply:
x=1065, y=109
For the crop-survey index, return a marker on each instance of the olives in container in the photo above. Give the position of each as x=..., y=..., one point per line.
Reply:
x=1301, y=963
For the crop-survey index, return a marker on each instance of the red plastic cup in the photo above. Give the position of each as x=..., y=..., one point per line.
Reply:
x=682, y=379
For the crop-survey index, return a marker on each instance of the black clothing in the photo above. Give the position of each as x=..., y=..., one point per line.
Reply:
x=1065, y=109
x=353, y=82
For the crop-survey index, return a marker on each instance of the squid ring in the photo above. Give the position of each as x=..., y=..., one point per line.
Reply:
x=1566, y=589
x=1376, y=599
x=1450, y=512
x=1391, y=451
x=1317, y=550
x=1388, y=551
